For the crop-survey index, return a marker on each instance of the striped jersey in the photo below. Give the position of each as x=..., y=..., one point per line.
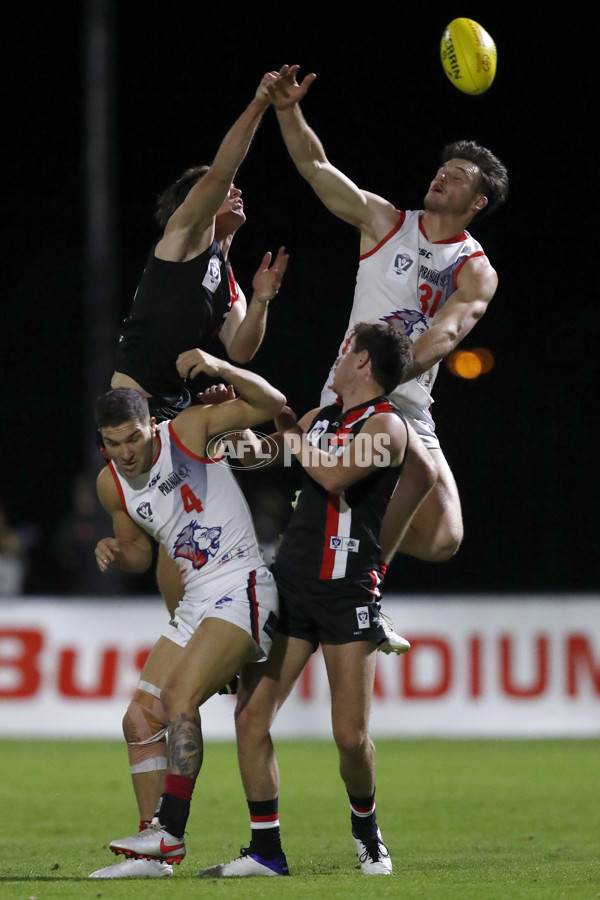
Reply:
x=330, y=535
x=196, y=509
x=406, y=279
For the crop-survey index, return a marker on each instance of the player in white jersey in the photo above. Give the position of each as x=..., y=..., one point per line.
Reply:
x=405, y=280
x=165, y=481
x=449, y=290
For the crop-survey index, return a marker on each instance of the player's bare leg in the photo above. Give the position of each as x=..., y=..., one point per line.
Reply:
x=168, y=578
x=264, y=687
x=351, y=674
x=412, y=492
x=435, y=531
x=215, y=652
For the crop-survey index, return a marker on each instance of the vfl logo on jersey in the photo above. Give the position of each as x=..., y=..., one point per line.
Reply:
x=212, y=278
x=197, y=544
x=144, y=511
x=315, y=434
x=401, y=265
x=413, y=321
x=224, y=601
x=350, y=545
x=362, y=616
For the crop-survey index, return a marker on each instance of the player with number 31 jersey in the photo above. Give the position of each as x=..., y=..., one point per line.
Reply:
x=406, y=279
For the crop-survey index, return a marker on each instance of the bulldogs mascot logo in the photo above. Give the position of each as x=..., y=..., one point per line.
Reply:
x=197, y=544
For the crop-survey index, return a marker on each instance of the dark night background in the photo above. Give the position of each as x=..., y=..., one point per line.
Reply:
x=519, y=438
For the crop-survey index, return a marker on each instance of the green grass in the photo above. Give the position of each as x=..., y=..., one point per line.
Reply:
x=463, y=819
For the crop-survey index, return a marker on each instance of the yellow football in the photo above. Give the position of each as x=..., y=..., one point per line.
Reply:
x=468, y=56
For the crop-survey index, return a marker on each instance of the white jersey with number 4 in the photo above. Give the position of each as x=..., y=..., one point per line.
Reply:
x=406, y=279
x=195, y=507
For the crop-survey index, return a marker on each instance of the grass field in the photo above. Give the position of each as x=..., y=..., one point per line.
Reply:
x=462, y=819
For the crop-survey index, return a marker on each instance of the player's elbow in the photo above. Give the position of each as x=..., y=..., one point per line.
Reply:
x=335, y=481
x=276, y=403
x=241, y=356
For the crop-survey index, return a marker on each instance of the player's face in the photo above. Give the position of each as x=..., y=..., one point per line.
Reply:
x=230, y=214
x=130, y=446
x=343, y=365
x=456, y=189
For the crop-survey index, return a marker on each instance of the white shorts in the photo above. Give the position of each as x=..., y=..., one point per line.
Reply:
x=247, y=599
x=419, y=416
x=421, y=420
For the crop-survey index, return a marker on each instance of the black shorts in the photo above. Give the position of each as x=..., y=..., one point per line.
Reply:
x=328, y=612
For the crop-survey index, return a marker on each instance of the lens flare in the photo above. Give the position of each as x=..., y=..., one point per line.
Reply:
x=470, y=364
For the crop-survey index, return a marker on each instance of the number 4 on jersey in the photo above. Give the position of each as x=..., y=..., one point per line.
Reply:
x=191, y=503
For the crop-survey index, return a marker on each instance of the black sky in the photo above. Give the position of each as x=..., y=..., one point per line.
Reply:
x=519, y=439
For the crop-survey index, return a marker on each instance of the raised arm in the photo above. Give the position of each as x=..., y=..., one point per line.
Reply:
x=372, y=214
x=195, y=216
x=257, y=401
x=244, y=328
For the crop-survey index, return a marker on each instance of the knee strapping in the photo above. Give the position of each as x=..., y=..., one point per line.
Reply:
x=145, y=729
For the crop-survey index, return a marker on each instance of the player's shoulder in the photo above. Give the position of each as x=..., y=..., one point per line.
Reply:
x=479, y=265
x=383, y=217
x=106, y=488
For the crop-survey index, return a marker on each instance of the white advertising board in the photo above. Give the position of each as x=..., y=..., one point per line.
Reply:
x=478, y=667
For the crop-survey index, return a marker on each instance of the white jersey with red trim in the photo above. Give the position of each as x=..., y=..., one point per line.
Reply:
x=196, y=509
x=406, y=279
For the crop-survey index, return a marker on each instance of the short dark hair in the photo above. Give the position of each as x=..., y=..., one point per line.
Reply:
x=494, y=175
x=171, y=198
x=389, y=349
x=121, y=405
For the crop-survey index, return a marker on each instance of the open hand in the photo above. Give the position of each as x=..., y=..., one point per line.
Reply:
x=268, y=278
x=282, y=88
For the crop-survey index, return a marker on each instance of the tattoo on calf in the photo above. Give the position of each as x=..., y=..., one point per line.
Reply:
x=185, y=746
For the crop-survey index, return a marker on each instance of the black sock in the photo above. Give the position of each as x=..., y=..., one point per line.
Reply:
x=264, y=824
x=362, y=817
x=172, y=813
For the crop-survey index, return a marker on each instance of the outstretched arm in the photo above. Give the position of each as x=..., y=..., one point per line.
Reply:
x=372, y=214
x=244, y=329
x=195, y=216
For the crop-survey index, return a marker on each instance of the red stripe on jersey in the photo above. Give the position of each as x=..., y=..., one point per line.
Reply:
x=331, y=528
x=341, y=435
x=251, y=592
x=233, y=291
x=453, y=240
x=184, y=449
x=113, y=472
x=459, y=267
x=384, y=240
